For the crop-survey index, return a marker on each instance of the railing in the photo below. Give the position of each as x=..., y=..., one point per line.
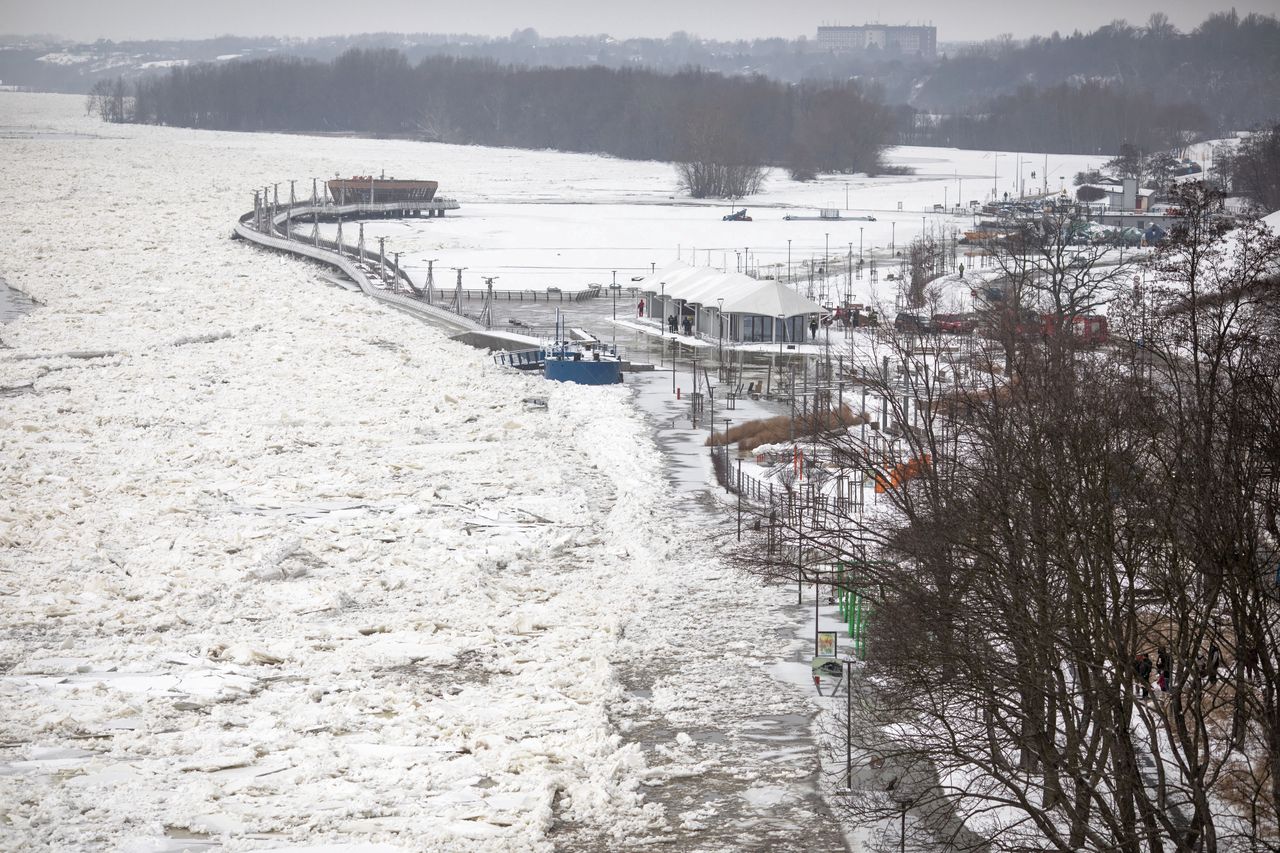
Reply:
x=357, y=267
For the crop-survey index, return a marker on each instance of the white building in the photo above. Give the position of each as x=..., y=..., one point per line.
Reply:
x=911, y=41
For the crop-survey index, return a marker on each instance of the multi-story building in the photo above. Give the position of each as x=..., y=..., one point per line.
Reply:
x=912, y=41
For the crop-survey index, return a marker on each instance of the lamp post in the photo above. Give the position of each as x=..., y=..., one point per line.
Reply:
x=727, y=478
x=720, y=318
x=788, y=261
x=859, y=242
x=782, y=331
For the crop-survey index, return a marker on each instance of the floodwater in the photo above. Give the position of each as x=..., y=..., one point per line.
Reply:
x=13, y=303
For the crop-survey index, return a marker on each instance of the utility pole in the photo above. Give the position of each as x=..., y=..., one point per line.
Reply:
x=487, y=314
x=457, y=293
x=431, y=281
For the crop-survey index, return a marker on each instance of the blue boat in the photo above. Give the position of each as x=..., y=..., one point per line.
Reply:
x=583, y=362
x=594, y=364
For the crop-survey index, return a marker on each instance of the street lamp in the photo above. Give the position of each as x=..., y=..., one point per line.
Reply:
x=788, y=261
x=782, y=331
x=662, y=325
x=859, y=242
x=720, y=316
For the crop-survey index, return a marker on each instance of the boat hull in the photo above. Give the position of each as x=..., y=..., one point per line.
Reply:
x=583, y=372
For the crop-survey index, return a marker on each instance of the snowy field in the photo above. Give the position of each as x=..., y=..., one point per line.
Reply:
x=281, y=568
x=540, y=219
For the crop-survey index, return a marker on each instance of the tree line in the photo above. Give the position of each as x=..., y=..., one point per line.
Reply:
x=737, y=124
x=1074, y=635
x=1070, y=118
x=1228, y=67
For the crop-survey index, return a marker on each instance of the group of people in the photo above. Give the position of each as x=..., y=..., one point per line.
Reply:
x=686, y=323
x=1143, y=667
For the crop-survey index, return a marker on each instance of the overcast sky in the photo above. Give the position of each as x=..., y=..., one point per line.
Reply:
x=87, y=20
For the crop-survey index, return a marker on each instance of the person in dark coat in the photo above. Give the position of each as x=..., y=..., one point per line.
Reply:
x=671, y=323
x=1163, y=668
x=1142, y=668
x=1215, y=661
x=813, y=328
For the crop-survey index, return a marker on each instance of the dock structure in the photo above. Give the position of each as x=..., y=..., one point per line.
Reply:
x=272, y=224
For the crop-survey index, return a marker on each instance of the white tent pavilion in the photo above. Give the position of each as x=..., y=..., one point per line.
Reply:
x=736, y=306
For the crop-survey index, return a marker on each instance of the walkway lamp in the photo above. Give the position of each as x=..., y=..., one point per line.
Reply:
x=720, y=317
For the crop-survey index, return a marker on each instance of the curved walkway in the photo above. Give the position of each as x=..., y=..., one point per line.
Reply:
x=357, y=269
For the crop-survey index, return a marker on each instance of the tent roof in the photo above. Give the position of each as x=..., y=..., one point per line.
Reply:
x=742, y=294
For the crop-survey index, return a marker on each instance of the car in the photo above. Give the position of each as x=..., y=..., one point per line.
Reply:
x=905, y=322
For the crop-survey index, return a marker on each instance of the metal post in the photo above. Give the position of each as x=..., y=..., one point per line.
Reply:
x=788, y=261
x=457, y=293
x=395, y=279
x=382, y=259
x=487, y=313
x=288, y=224
x=720, y=320
x=848, y=723
x=739, y=500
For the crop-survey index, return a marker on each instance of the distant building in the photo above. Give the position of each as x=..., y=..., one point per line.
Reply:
x=912, y=41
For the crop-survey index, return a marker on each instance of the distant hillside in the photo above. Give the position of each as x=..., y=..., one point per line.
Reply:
x=1229, y=67
x=1151, y=85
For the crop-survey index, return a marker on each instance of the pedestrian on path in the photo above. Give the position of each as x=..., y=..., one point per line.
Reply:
x=1142, y=669
x=640, y=309
x=813, y=328
x=1215, y=661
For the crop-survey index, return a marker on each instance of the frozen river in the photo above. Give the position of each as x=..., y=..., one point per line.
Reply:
x=283, y=568
x=280, y=568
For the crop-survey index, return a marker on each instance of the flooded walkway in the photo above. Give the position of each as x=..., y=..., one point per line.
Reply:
x=731, y=747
